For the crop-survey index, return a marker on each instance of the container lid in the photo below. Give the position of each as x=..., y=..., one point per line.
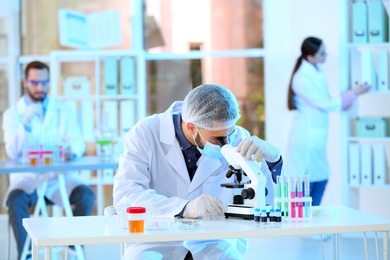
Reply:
x=136, y=210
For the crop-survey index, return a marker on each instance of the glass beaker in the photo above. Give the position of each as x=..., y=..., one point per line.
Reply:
x=104, y=143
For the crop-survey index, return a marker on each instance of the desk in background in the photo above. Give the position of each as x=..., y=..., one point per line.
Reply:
x=51, y=232
x=84, y=163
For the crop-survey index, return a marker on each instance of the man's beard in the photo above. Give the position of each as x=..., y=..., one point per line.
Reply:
x=35, y=99
x=198, y=140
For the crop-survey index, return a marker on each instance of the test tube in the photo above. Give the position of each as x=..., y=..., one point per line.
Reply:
x=292, y=196
x=285, y=194
x=299, y=190
x=307, y=195
x=278, y=192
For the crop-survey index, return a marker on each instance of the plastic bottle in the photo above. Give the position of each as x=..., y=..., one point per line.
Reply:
x=272, y=216
x=136, y=219
x=263, y=217
x=257, y=215
x=278, y=215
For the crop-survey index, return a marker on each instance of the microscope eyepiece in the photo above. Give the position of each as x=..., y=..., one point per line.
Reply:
x=221, y=141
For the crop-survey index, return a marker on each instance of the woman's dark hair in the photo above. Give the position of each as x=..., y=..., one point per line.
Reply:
x=309, y=46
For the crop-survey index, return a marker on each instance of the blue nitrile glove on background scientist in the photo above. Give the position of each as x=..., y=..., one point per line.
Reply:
x=173, y=165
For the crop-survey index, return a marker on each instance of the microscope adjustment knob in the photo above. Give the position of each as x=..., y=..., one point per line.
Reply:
x=248, y=193
x=238, y=200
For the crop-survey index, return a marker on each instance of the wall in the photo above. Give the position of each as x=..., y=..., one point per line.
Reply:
x=286, y=24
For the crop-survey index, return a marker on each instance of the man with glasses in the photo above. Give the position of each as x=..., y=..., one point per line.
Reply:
x=35, y=120
x=172, y=164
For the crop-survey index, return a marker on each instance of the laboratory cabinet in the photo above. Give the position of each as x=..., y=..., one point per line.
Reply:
x=365, y=127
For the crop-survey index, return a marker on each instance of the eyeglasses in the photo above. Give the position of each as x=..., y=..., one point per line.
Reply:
x=322, y=53
x=35, y=83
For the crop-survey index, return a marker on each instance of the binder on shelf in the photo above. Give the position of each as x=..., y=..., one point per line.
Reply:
x=383, y=70
x=354, y=164
x=76, y=87
x=355, y=75
x=86, y=114
x=377, y=22
x=127, y=74
x=127, y=114
x=111, y=76
x=380, y=166
x=366, y=164
x=368, y=72
x=359, y=22
x=110, y=112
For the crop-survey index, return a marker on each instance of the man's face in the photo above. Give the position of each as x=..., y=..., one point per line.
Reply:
x=37, y=84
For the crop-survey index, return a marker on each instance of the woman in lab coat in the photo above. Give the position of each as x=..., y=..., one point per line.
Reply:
x=309, y=99
x=38, y=119
x=153, y=172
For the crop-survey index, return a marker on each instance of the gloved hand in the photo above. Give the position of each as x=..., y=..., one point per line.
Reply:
x=347, y=99
x=204, y=205
x=258, y=148
x=33, y=110
x=361, y=89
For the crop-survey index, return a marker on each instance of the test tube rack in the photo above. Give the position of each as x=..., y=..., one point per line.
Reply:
x=306, y=208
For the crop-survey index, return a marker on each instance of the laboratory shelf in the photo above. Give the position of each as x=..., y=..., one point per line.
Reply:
x=361, y=46
x=368, y=139
x=384, y=186
x=103, y=97
x=366, y=61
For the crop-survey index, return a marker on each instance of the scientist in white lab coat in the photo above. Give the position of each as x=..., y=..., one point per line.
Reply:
x=173, y=165
x=309, y=99
x=36, y=118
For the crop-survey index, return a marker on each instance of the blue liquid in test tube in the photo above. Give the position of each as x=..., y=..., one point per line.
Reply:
x=307, y=195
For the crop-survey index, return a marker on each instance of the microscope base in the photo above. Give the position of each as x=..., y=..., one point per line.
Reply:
x=239, y=211
x=243, y=216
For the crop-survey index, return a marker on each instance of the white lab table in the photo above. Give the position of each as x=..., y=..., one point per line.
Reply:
x=83, y=163
x=51, y=232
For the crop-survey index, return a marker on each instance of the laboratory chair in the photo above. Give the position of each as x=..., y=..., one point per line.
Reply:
x=8, y=242
x=41, y=209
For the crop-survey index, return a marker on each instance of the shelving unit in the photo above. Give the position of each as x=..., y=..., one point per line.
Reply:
x=58, y=61
x=98, y=97
x=376, y=103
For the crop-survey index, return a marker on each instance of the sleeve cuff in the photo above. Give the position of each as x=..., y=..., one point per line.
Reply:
x=275, y=168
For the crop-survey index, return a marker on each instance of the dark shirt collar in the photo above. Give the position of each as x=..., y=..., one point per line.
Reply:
x=183, y=142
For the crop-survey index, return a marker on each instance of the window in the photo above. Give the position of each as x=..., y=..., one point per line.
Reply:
x=193, y=42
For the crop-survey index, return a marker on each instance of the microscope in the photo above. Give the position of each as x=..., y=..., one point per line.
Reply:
x=254, y=192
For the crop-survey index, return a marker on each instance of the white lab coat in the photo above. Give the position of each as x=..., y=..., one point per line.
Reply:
x=306, y=152
x=16, y=137
x=152, y=173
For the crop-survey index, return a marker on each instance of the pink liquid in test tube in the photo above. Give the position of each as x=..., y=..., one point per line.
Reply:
x=292, y=196
x=299, y=188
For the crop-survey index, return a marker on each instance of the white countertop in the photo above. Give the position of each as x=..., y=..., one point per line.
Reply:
x=95, y=230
